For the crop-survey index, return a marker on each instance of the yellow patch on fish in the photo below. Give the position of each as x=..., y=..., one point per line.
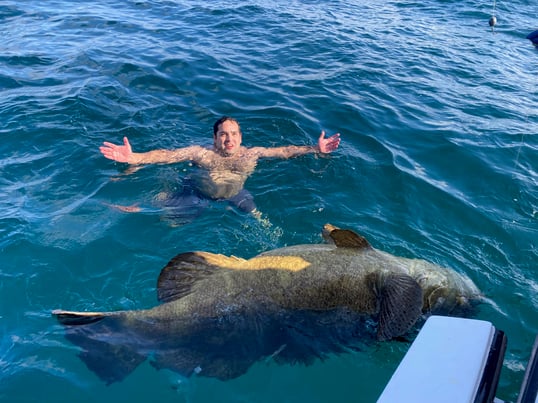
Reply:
x=291, y=263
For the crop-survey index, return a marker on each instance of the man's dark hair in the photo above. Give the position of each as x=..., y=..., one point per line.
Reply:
x=221, y=121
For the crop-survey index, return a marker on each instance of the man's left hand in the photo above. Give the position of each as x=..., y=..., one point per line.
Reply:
x=327, y=145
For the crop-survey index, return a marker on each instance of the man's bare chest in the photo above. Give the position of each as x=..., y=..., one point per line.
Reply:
x=242, y=163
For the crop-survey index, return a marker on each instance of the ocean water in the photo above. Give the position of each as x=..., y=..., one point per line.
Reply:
x=438, y=117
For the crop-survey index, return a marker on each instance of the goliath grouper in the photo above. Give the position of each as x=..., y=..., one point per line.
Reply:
x=221, y=314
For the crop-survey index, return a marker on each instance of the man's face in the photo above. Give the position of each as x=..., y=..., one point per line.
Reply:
x=228, y=138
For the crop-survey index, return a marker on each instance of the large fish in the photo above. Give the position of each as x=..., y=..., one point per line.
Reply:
x=221, y=314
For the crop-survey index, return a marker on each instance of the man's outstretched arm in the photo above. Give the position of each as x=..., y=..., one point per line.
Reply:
x=324, y=146
x=124, y=153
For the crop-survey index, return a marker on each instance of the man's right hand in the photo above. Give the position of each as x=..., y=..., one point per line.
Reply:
x=119, y=153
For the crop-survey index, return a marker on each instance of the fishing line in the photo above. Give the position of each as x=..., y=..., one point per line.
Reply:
x=492, y=23
x=519, y=149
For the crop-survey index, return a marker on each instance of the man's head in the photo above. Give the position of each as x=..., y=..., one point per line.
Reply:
x=227, y=135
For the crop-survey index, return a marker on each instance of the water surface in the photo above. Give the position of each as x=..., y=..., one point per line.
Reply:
x=438, y=160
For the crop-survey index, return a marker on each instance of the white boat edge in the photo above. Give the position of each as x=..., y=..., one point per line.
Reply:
x=456, y=360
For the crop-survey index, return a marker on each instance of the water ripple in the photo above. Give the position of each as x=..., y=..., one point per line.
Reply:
x=438, y=159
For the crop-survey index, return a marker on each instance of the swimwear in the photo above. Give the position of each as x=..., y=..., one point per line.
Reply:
x=243, y=201
x=188, y=203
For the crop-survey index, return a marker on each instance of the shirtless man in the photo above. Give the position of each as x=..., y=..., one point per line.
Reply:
x=225, y=166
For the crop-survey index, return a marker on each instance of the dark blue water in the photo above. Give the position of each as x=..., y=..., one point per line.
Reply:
x=438, y=160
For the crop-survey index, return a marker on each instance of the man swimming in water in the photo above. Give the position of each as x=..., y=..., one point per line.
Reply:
x=225, y=166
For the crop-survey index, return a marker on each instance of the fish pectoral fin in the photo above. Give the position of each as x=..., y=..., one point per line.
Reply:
x=400, y=305
x=183, y=271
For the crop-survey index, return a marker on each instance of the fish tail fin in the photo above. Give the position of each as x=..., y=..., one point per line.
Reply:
x=72, y=318
x=104, y=351
x=400, y=305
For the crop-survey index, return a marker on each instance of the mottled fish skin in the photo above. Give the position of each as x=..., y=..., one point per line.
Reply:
x=220, y=314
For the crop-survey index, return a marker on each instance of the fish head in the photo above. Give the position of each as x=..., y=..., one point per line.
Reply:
x=445, y=291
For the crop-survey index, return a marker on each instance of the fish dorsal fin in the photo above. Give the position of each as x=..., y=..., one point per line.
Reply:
x=183, y=271
x=345, y=238
x=400, y=305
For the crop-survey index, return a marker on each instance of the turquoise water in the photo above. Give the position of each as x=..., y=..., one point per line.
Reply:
x=438, y=160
